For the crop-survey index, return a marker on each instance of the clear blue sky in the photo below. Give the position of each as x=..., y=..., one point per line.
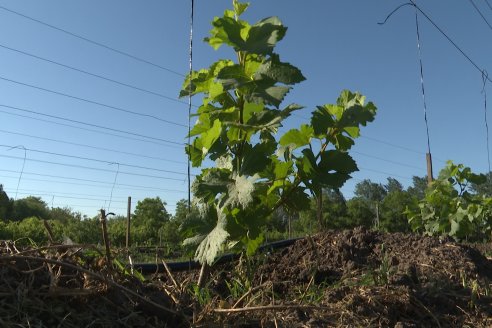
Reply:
x=337, y=44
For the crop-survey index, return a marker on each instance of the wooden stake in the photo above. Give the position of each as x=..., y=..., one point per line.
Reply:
x=430, y=177
x=105, y=236
x=128, y=215
x=51, y=236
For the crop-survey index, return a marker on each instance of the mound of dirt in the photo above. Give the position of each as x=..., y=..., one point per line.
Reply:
x=60, y=286
x=362, y=278
x=347, y=278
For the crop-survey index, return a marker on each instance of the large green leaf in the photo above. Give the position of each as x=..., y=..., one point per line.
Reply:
x=277, y=71
x=226, y=30
x=297, y=138
x=233, y=77
x=202, y=80
x=264, y=35
x=209, y=137
x=249, y=109
x=195, y=152
x=273, y=95
x=337, y=161
x=267, y=119
x=256, y=158
x=321, y=121
x=297, y=199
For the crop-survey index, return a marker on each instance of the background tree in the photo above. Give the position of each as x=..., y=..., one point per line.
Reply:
x=359, y=213
x=5, y=205
x=393, y=185
x=149, y=216
x=393, y=205
x=64, y=215
x=483, y=189
x=30, y=207
x=373, y=193
x=417, y=191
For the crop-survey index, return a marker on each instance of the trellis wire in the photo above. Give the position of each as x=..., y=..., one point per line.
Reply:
x=22, y=170
x=484, y=91
x=112, y=187
x=428, y=155
x=189, y=103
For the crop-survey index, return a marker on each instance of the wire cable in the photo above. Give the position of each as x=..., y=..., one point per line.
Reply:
x=189, y=103
x=68, y=197
x=484, y=91
x=90, y=130
x=488, y=4
x=23, y=166
x=95, y=160
x=93, y=125
x=91, y=147
x=422, y=81
x=119, y=109
x=412, y=3
x=481, y=14
x=93, y=42
x=126, y=186
x=91, y=168
x=387, y=160
x=93, y=74
x=60, y=194
x=112, y=187
x=386, y=173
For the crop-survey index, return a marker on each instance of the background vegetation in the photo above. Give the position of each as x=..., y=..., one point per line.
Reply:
x=374, y=205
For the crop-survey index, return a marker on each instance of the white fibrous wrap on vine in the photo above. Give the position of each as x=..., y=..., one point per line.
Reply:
x=241, y=190
x=224, y=162
x=202, y=206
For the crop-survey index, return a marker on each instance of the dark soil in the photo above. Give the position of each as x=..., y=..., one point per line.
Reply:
x=354, y=278
x=362, y=278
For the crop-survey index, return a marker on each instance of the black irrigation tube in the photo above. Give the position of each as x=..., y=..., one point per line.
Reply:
x=148, y=268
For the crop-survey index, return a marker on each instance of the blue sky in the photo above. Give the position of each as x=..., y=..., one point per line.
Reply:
x=337, y=44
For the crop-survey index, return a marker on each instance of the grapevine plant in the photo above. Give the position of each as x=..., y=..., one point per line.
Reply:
x=238, y=120
x=450, y=209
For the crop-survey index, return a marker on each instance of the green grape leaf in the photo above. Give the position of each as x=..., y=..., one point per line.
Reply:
x=256, y=158
x=195, y=152
x=199, y=83
x=307, y=165
x=202, y=80
x=297, y=138
x=272, y=95
x=232, y=77
x=209, y=137
x=342, y=142
x=250, y=109
x=281, y=172
x=264, y=35
x=253, y=244
x=338, y=161
x=279, y=72
x=321, y=121
x=240, y=7
x=251, y=65
x=226, y=30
